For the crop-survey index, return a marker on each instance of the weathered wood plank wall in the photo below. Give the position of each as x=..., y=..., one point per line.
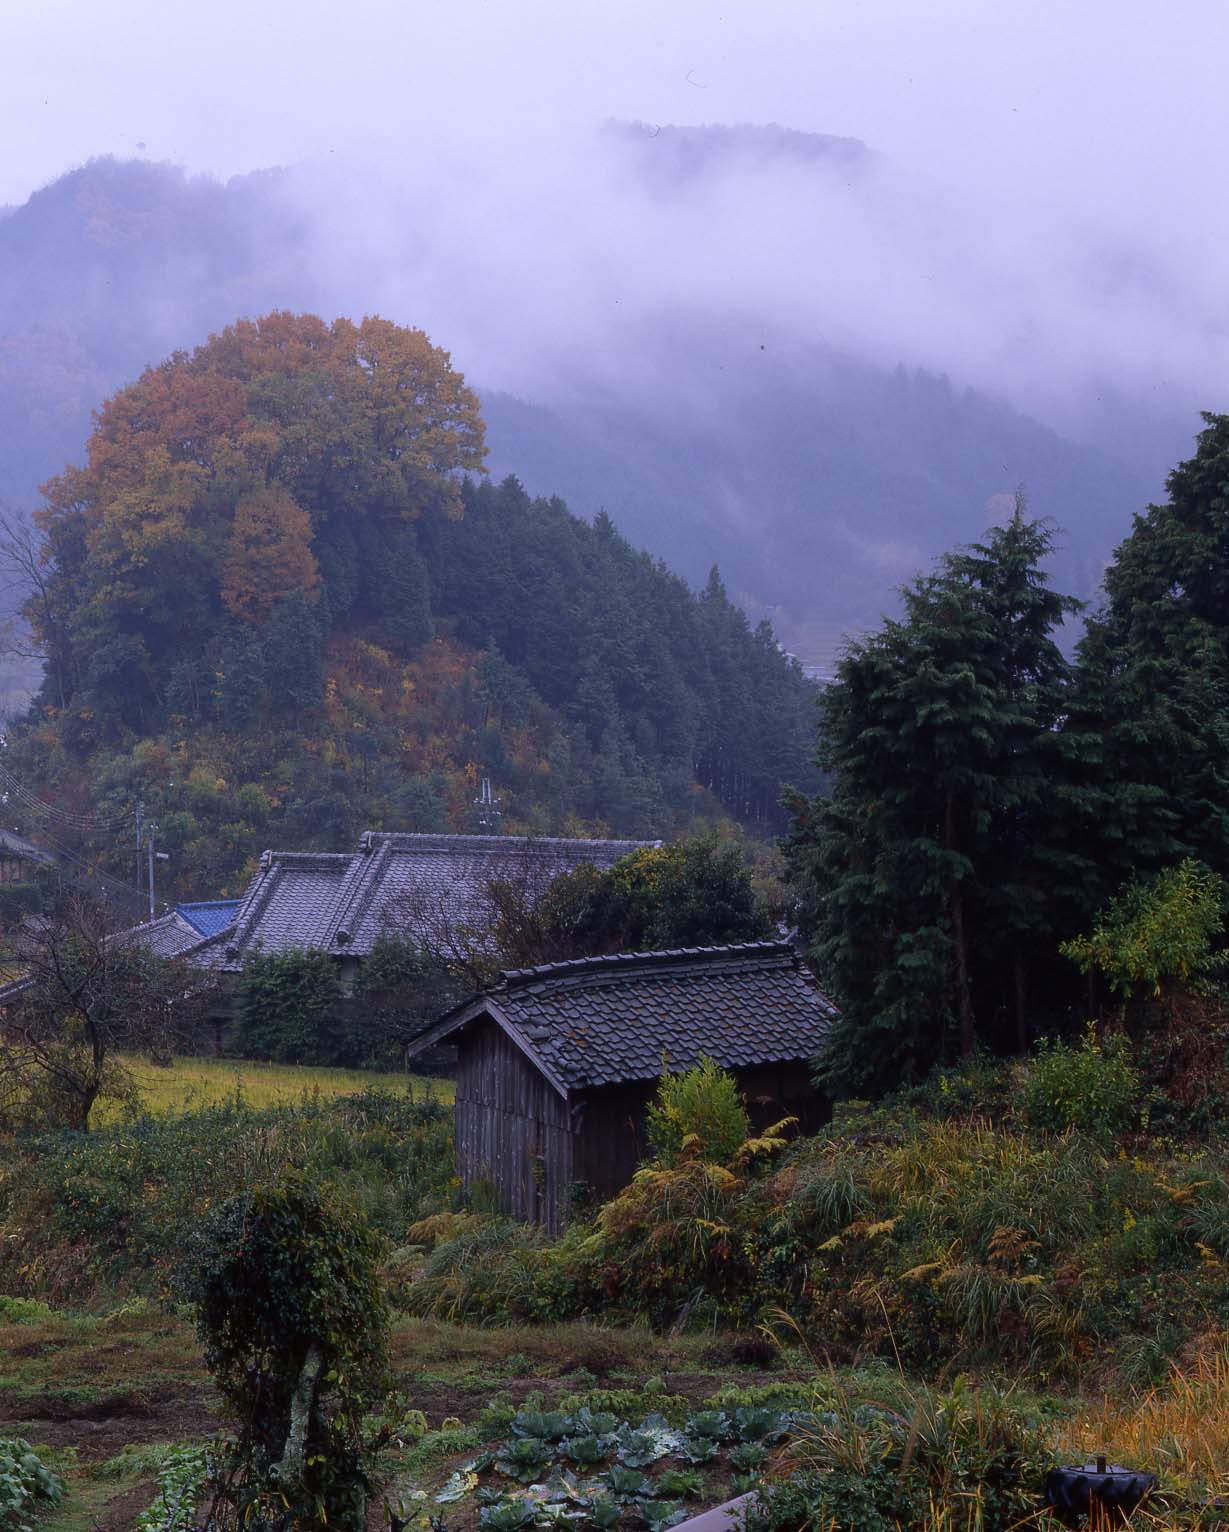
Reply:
x=513, y=1130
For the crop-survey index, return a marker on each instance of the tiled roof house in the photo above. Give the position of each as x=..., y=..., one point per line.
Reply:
x=342, y=902
x=19, y=857
x=556, y=1064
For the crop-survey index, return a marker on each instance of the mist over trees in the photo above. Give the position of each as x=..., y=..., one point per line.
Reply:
x=708, y=432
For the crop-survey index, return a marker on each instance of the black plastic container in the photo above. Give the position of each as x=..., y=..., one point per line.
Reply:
x=1102, y=1493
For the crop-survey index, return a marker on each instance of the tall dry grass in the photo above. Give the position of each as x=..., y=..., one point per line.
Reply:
x=1178, y=1430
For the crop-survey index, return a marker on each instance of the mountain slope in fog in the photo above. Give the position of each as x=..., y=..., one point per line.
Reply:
x=816, y=479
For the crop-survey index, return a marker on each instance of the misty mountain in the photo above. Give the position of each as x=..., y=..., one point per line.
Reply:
x=710, y=430
x=670, y=155
x=817, y=485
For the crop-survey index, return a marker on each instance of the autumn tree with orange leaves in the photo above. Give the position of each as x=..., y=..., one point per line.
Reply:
x=283, y=462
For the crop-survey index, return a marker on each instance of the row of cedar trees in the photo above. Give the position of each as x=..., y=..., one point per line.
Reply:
x=988, y=794
x=271, y=604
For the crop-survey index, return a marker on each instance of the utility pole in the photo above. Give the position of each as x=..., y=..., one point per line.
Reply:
x=486, y=809
x=154, y=856
x=140, y=825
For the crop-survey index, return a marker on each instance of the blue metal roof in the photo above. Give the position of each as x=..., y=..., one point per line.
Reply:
x=210, y=916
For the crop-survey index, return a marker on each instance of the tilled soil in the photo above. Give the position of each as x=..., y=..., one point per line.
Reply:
x=102, y=1428
x=120, y=1513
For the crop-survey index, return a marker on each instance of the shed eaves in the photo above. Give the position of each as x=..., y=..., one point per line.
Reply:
x=605, y=1021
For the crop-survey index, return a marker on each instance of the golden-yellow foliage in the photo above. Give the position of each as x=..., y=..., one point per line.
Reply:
x=270, y=555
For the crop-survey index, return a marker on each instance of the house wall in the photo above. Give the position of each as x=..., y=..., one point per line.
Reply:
x=774, y=1091
x=513, y=1129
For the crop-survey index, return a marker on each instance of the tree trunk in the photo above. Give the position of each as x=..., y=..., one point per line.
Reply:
x=964, y=1004
x=1021, y=1000
x=294, y=1454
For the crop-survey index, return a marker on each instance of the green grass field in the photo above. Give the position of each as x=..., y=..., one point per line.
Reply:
x=197, y=1082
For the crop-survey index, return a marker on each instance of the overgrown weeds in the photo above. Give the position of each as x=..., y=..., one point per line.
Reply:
x=82, y=1212
x=947, y=1243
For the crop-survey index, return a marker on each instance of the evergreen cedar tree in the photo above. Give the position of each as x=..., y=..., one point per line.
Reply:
x=988, y=798
x=1153, y=698
x=242, y=579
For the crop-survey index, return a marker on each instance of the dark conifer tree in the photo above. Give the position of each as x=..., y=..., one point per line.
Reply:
x=1153, y=701
x=930, y=851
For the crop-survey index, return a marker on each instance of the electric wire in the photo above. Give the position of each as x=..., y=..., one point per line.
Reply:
x=111, y=885
x=87, y=823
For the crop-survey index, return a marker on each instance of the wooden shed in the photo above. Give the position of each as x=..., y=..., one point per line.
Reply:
x=20, y=858
x=556, y=1065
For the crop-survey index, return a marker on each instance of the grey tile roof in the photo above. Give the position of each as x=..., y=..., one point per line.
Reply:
x=342, y=902
x=168, y=936
x=601, y=1021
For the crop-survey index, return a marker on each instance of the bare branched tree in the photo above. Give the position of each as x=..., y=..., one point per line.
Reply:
x=25, y=581
x=480, y=924
x=86, y=1002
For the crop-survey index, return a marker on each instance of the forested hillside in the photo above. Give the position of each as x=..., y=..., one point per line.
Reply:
x=818, y=478
x=273, y=609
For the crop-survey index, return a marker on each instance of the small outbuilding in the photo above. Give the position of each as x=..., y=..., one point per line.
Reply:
x=20, y=859
x=556, y=1065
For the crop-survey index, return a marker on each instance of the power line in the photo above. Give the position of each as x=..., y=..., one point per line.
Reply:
x=112, y=887
x=87, y=823
x=50, y=811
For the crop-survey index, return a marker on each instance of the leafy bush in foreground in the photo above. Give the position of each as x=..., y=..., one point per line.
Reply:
x=867, y=1464
x=27, y=1485
x=181, y=1485
x=290, y=1310
x=703, y=1103
x=1092, y=1087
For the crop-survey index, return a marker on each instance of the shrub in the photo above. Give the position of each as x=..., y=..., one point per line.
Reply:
x=868, y=1465
x=1089, y=1087
x=289, y=1308
x=23, y=1311
x=181, y=1484
x=702, y=1105
x=112, y=1204
x=287, y=1007
x=18, y=900
x=1156, y=931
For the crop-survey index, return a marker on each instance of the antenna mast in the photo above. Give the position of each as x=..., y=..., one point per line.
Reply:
x=486, y=810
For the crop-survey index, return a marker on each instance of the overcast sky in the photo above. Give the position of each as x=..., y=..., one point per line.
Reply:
x=1048, y=220
x=1102, y=98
